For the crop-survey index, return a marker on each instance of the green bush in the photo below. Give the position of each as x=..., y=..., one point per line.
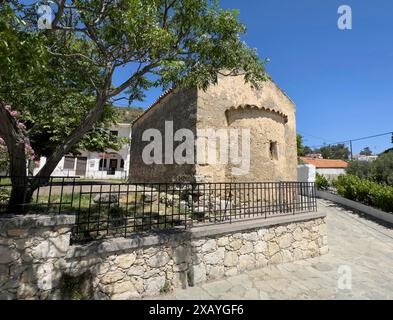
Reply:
x=321, y=182
x=365, y=191
x=381, y=170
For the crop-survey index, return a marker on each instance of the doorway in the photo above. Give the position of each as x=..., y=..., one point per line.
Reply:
x=112, y=166
x=81, y=166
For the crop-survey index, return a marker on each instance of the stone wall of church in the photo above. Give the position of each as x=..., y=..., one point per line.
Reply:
x=179, y=109
x=269, y=117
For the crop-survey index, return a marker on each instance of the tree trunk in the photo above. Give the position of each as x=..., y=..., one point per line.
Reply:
x=20, y=192
x=15, y=141
x=23, y=187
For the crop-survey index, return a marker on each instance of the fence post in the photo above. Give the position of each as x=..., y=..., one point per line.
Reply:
x=280, y=195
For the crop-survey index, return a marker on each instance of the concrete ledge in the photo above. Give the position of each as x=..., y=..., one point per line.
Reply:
x=35, y=220
x=145, y=240
x=379, y=214
x=242, y=225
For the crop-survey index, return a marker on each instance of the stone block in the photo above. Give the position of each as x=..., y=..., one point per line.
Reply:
x=154, y=285
x=285, y=240
x=222, y=241
x=181, y=254
x=112, y=277
x=198, y=273
x=125, y=261
x=136, y=271
x=260, y=246
x=209, y=246
x=247, y=262
x=273, y=248
x=236, y=244
x=7, y=255
x=160, y=259
x=231, y=259
x=250, y=236
x=215, y=257
x=246, y=248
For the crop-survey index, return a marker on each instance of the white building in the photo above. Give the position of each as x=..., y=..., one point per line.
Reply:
x=96, y=165
x=360, y=157
x=329, y=168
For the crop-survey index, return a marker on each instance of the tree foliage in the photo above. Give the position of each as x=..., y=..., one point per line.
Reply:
x=380, y=170
x=61, y=80
x=51, y=95
x=300, y=146
x=366, y=152
x=302, y=150
x=383, y=168
x=338, y=151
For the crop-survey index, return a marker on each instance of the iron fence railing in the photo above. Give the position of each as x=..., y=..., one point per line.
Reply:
x=119, y=209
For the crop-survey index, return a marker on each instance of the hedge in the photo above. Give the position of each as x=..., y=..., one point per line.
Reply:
x=365, y=191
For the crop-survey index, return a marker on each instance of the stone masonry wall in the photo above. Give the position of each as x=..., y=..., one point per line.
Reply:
x=37, y=261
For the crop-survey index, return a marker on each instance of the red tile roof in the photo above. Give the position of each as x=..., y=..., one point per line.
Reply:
x=325, y=163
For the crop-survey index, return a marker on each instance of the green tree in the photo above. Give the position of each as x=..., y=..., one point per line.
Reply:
x=366, y=152
x=153, y=43
x=42, y=100
x=361, y=169
x=380, y=170
x=300, y=147
x=383, y=168
x=302, y=150
x=339, y=151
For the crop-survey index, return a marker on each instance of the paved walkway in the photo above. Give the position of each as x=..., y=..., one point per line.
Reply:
x=357, y=244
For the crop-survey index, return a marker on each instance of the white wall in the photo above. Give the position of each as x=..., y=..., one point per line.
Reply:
x=306, y=173
x=93, y=160
x=330, y=171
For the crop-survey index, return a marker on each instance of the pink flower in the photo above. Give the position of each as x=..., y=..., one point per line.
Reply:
x=21, y=125
x=29, y=151
x=8, y=108
x=14, y=113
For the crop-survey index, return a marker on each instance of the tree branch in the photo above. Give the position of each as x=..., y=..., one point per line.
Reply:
x=92, y=117
x=59, y=13
x=137, y=75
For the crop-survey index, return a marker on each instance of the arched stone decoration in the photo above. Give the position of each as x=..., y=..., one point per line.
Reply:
x=254, y=111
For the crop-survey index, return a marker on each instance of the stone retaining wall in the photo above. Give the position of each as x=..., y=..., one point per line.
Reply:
x=38, y=262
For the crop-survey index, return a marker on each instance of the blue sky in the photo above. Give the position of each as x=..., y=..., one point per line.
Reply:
x=341, y=81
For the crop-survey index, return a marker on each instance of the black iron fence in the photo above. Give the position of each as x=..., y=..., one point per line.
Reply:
x=119, y=209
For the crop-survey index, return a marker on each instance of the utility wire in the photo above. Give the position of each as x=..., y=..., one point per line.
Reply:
x=312, y=136
x=357, y=139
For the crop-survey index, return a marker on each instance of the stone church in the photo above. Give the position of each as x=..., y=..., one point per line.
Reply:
x=260, y=123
